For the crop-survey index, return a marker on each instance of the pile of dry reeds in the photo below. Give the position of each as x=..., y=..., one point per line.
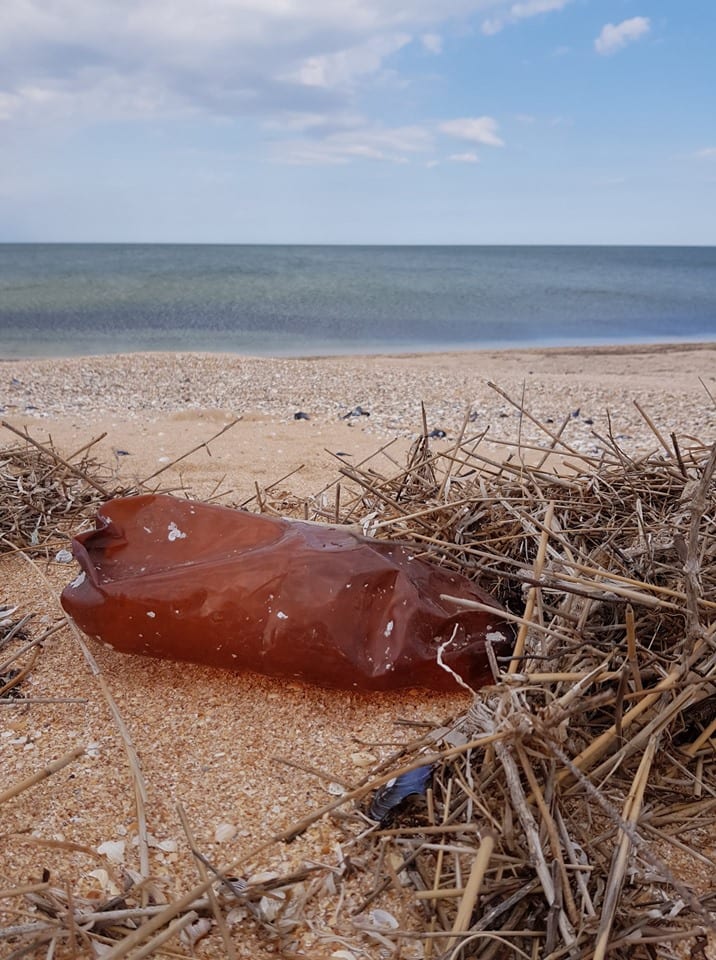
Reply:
x=43, y=493
x=561, y=796
x=572, y=808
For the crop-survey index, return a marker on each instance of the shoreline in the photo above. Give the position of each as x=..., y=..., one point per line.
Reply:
x=597, y=348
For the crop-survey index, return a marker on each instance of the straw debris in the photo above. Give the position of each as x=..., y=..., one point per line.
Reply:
x=42, y=493
x=571, y=807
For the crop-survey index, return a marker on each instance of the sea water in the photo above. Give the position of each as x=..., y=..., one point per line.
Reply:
x=73, y=299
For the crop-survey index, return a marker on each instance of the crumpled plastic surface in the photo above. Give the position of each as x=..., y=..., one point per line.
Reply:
x=191, y=581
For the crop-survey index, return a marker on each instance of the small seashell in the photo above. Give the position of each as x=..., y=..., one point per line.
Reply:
x=105, y=882
x=335, y=789
x=381, y=918
x=113, y=850
x=224, y=832
x=63, y=556
x=6, y=616
x=270, y=907
x=193, y=932
x=236, y=915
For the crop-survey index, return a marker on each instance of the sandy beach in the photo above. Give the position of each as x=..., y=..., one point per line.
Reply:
x=217, y=742
x=158, y=406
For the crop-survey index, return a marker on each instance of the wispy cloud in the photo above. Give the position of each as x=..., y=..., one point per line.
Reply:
x=324, y=142
x=473, y=129
x=520, y=11
x=614, y=37
x=707, y=153
x=393, y=145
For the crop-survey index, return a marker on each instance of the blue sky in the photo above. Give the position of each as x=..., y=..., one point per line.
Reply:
x=358, y=121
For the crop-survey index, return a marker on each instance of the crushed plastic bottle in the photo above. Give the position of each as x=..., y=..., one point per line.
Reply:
x=184, y=580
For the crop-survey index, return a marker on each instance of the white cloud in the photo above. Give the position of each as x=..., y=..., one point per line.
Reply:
x=432, y=42
x=342, y=68
x=388, y=144
x=99, y=59
x=706, y=154
x=324, y=143
x=614, y=37
x=520, y=11
x=474, y=129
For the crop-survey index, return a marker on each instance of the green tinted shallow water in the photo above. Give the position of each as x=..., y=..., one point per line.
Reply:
x=72, y=299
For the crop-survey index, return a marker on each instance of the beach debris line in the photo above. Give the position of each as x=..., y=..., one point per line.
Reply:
x=284, y=598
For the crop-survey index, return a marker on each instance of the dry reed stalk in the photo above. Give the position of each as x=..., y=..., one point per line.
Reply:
x=22, y=890
x=51, y=454
x=555, y=438
x=204, y=445
x=30, y=701
x=472, y=888
x=617, y=871
x=173, y=930
x=41, y=775
x=43, y=493
x=213, y=901
x=138, y=782
x=519, y=650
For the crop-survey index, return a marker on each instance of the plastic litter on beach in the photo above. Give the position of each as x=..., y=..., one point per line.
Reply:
x=389, y=797
x=184, y=580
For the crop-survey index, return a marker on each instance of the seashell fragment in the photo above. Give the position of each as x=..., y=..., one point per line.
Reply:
x=113, y=850
x=225, y=832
